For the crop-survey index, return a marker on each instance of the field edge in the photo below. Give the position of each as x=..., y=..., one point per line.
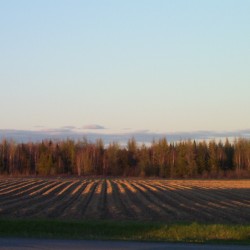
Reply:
x=126, y=231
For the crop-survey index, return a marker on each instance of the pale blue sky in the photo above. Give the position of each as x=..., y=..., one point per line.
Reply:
x=157, y=65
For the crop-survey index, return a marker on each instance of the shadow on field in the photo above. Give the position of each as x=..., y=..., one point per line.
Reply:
x=118, y=199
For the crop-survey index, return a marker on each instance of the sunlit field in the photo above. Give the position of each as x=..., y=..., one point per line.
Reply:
x=204, y=201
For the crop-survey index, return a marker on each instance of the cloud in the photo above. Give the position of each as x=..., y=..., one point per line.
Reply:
x=38, y=126
x=143, y=136
x=93, y=126
x=69, y=127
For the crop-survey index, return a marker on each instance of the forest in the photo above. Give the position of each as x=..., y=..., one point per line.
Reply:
x=184, y=159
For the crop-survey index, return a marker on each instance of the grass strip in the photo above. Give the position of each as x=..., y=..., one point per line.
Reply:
x=127, y=230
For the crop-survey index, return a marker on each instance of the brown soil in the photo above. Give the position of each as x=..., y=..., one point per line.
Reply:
x=217, y=201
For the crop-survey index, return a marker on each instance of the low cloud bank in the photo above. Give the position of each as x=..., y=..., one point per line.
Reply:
x=93, y=126
x=122, y=138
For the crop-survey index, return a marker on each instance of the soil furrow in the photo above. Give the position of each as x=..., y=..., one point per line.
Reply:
x=17, y=188
x=148, y=210
x=77, y=209
x=96, y=202
x=215, y=201
x=193, y=211
x=20, y=201
x=24, y=195
x=60, y=202
x=71, y=210
x=123, y=208
x=27, y=208
x=162, y=210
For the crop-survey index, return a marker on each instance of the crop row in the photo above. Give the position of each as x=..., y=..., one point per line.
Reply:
x=126, y=199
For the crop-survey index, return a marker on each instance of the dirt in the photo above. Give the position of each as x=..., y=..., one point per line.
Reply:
x=217, y=201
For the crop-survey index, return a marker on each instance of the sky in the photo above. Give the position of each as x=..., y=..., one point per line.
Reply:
x=155, y=65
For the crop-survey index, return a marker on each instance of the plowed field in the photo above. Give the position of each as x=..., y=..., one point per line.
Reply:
x=126, y=199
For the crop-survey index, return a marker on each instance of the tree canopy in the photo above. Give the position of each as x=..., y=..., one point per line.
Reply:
x=185, y=159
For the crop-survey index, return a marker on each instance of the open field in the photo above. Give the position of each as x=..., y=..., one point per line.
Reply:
x=209, y=201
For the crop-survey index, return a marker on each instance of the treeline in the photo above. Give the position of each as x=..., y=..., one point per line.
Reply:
x=186, y=159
